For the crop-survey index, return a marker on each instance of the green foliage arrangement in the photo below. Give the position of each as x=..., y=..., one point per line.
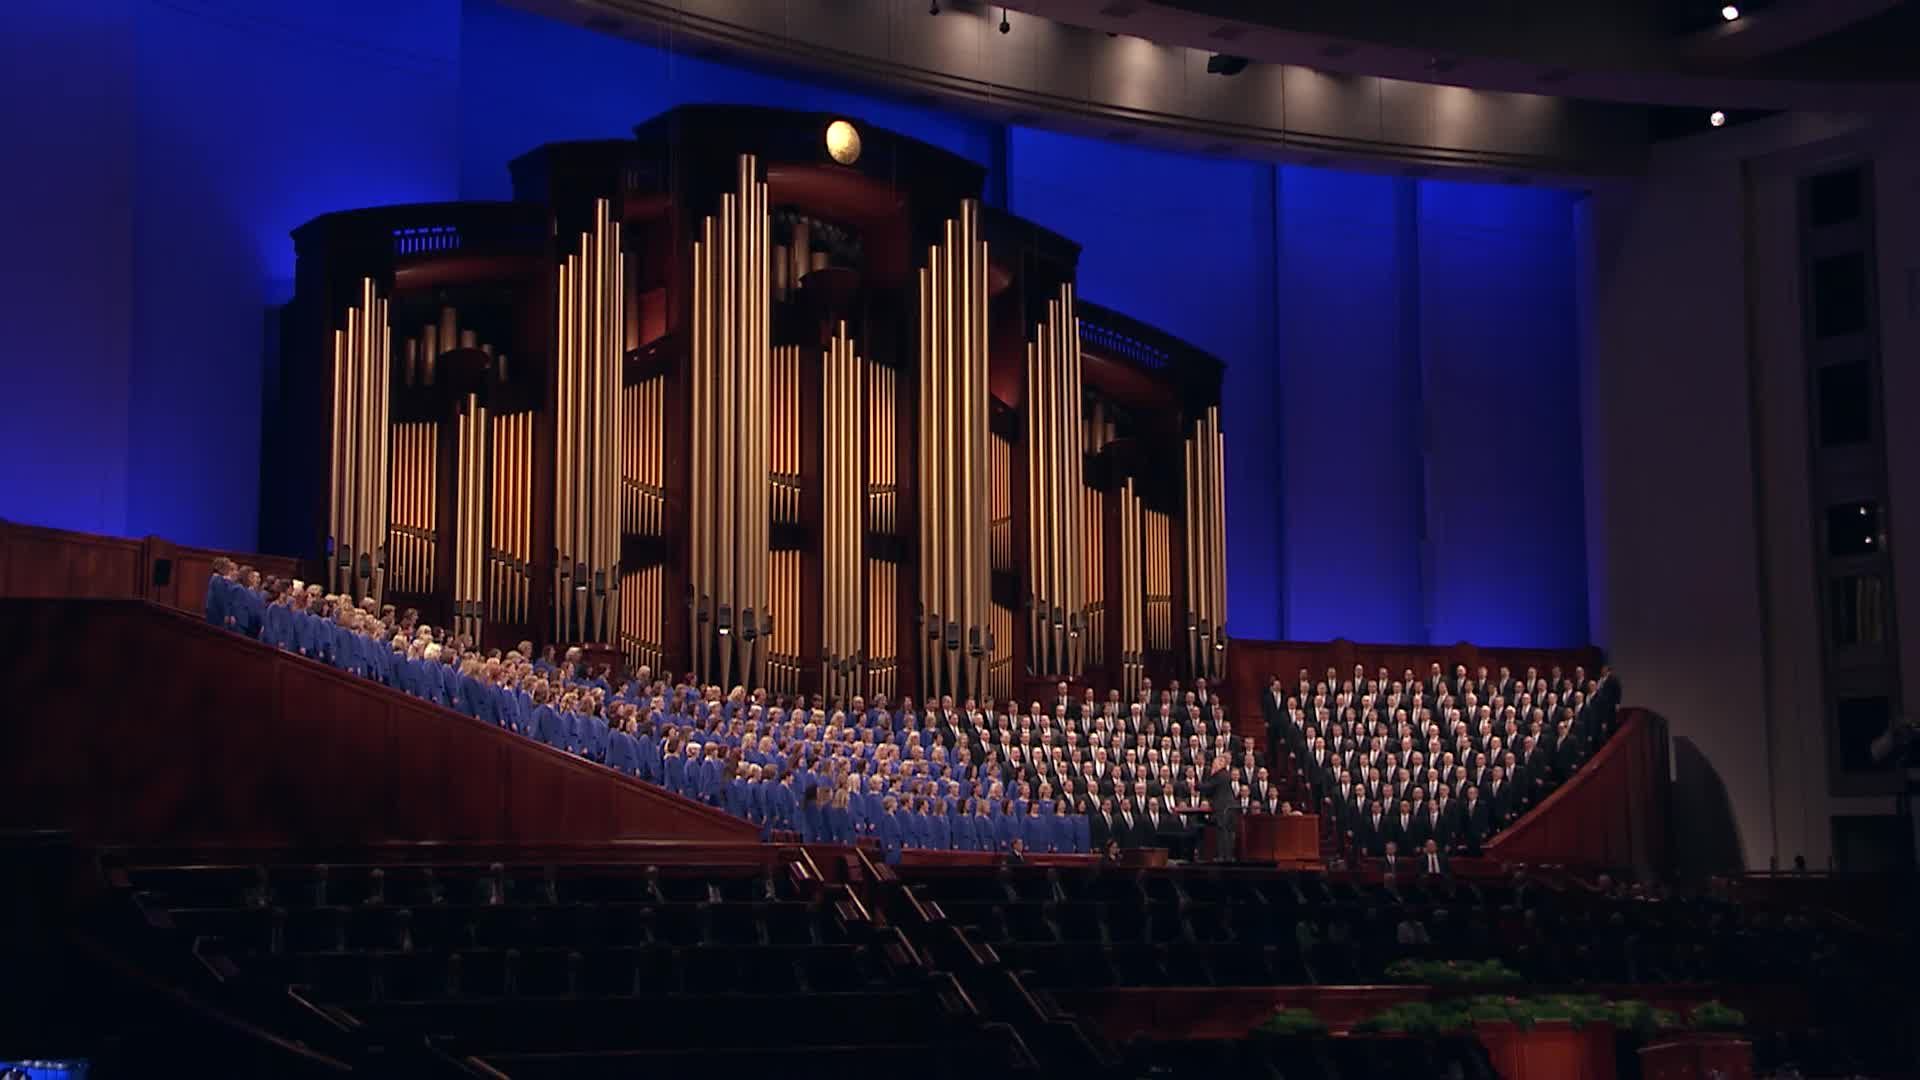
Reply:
x=1715, y=1016
x=1452, y=972
x=1643, y=1020
x=1295, y=1023
x=1417, y=1018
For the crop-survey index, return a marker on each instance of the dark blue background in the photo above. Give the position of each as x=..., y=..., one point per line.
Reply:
x=1403, y=433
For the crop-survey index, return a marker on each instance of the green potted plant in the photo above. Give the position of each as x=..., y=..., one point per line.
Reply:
x=1292, y=1024
x=1452, y=972
x=1716, y=1017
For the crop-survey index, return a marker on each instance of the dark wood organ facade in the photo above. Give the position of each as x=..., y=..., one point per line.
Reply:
x=730, y=403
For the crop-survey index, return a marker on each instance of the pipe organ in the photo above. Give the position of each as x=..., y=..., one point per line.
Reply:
x=1055, y=469
x=843, y=531
x=731, y=361
x=587, y=482
x=776, y=418
x=509, y=555
x=1133, y=591
x=470, y=501
x=1206, y=533
x=954, y=584
x=357, y=529
x=413, y=533
x=643, y=422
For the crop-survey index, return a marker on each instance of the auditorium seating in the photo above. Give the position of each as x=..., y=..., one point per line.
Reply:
x=575, y=970
x=1074, y=928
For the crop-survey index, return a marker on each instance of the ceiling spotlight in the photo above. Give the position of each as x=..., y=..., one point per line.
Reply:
x=1005, y=26
x=1730, y=12
x=1717, y=118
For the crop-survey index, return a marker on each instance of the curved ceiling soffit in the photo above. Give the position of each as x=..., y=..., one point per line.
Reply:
x=1049, y=73
x=1588, y=52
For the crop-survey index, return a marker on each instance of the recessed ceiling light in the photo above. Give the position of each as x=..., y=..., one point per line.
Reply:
x=1717, y=118
x=1730, y=12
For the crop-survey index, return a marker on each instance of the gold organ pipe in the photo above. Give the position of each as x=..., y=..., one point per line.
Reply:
x=700, y=470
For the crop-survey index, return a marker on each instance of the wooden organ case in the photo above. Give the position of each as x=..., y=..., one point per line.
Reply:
x=769, y=397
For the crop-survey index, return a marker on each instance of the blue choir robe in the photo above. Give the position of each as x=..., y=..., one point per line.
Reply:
x=783, y=806
x=939, y=833
x=1082, y=834
x=1020, y=808
x=757, y=803
x=546, y=725
x=674, y=773
x=813, y=827
x=252, y=612
x=646, y=757
x=964, y=836
x=1062, y=832
x=890, y=838
x=710, y=772
x=278, y=630
x=597, y=734
x=1005, y=828
x=622, y=754
x=219, y=600
x=737, y=798
x=1037, y=832
x=840, y=825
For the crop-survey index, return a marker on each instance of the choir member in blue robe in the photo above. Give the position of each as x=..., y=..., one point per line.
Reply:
x=1082, y=828
x=784, y=808
x=1005, y=827
x=964, y=836
x=623, y=754
x=813, y=817
x=939, y=827
x=889, y=831
x=546, y=723
x=646, y=755
x=1036, y=831
x=674, y=772
x=737, y=798
x=1062, y=839
x=840, y=819
x=710, y=768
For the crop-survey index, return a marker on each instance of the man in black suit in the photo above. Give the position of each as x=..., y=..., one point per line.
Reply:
x=1391, y=861
x=1100, y=827
x=1432, y=861
x=1476, y=820
x=1371, y=836
x=1126, y=827
x=1225, y=804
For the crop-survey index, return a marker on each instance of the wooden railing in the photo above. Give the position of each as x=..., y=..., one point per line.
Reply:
x=1613, y=810
x=134, y=724
x=42, y=562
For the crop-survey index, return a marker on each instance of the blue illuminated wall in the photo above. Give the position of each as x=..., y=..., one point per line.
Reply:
x=1403, y=427
x=572, y=83
x=1401, y=408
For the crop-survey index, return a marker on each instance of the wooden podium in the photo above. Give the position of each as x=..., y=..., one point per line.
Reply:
x=1275, y=838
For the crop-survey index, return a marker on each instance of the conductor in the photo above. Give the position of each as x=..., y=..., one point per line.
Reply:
x=1225, y=805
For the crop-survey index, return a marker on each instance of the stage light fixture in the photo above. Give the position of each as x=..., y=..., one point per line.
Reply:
x=1717, y=118
x=1730, y=12
x=843, y=142
x=1005, y=26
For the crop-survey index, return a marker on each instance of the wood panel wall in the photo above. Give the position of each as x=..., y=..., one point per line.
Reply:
x=206, y=738
x=42, y=562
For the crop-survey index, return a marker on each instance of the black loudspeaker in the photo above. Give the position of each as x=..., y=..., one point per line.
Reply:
x=162, y=573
